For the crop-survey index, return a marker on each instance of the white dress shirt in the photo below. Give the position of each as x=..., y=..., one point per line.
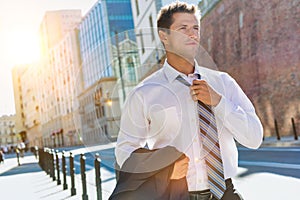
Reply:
x=160, y=112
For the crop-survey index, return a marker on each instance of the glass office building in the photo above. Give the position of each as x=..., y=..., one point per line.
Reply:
x=96, y=36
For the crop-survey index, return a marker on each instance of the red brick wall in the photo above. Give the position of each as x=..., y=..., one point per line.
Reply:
x=263, y=55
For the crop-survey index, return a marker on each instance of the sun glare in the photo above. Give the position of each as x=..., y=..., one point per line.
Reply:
x=22, y=47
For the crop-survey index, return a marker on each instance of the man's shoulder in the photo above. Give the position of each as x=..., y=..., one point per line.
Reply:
x=156, y=77
x=149, y=83
x=213, y=72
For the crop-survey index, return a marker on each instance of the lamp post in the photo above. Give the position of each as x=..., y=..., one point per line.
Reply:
x=120, y=64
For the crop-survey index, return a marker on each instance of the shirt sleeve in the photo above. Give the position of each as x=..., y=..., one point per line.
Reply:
x=237, y=115
x=133, y=127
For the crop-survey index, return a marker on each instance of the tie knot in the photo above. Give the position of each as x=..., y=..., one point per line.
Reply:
x=182, y=80
x=191, y=77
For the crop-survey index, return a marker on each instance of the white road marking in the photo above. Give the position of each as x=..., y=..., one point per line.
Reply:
x=270, y=164
x=271, y=149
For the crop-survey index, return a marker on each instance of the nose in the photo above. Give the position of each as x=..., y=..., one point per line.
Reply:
x=193, y=33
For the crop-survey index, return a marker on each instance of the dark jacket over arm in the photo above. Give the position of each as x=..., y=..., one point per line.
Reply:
x=146, y=175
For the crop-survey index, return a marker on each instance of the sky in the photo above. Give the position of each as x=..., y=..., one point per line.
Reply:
x=19, y=23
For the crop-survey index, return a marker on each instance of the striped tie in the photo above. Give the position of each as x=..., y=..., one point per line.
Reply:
x=210, y=141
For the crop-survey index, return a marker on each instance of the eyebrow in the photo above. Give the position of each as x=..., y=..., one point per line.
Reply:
x=184, y=25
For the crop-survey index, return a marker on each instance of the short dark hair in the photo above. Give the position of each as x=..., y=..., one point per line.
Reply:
x=165, y=15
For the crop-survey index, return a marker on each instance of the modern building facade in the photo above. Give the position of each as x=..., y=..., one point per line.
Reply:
x=96, y=35
x=102, y=67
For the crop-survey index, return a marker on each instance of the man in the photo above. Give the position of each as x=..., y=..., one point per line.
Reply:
x=182, y=105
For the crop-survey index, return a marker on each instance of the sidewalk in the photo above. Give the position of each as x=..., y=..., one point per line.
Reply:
x=286, y=141
x=28, y=181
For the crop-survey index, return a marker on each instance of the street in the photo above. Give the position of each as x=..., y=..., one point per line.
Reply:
x=269, y=173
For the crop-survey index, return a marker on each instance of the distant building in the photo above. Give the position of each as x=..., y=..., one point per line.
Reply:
x=67, y=81
x=8, y=134
x=55, y=25
x=59, y=58
x=37, y=87
x=18, y=86
x=27, y=103
x=257, y=42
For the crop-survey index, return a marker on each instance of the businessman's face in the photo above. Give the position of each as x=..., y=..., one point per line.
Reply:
x=184, y=37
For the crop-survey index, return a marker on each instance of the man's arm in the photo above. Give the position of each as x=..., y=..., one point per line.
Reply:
x=232, y=108
x=133, y=128
x=237, y=115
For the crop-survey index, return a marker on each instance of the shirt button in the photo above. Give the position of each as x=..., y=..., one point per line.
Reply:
x=196, y=160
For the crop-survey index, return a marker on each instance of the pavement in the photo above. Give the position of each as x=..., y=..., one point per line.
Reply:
x=287, y=141
x=29, y=182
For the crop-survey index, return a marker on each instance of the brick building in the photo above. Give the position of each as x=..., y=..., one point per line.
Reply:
x=257, y=43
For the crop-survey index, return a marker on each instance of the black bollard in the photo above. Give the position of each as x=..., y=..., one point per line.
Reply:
x=49, y=171
x=294, y=129
x=53, y=165
x=64, y=170
x=45, y=160
x=276, y=129
x=41, y=156
x=98, y=176
x=83, y=177
x=57, y=168
x=49, y=163
x=72, y=171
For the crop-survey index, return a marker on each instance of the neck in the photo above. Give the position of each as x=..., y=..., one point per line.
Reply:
x=181, y=64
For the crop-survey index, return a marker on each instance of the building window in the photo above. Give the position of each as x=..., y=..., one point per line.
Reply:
x=130, y=68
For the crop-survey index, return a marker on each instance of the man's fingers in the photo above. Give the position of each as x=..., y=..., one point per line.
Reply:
x=180, y=168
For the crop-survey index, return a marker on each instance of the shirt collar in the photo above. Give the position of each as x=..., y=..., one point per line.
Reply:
x=171, y=73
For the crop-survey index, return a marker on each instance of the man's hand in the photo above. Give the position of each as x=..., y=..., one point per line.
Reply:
x=200, y=90
x=180, y=168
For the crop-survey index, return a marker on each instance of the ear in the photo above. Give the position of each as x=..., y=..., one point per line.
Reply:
x=163, y=37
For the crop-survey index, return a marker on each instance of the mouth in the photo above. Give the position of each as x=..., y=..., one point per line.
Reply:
x=191, y=43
